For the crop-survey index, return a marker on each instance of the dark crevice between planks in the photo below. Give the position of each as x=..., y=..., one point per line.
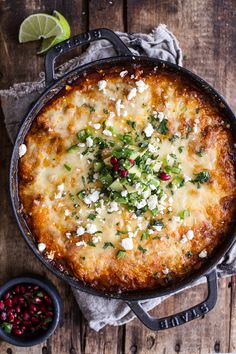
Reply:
x=230, y=285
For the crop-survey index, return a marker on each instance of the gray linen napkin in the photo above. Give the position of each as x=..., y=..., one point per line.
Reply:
x=161, y=43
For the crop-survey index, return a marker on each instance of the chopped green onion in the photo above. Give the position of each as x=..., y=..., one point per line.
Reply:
x=108, y=244
x=67, y=167
x=140, y=248
x=120, y=254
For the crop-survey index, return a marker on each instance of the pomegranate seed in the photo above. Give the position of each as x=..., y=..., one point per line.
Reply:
x=22, y=289
x=26, y=316
x=33, y=308
x=18, y=309
x=36, y=287
x=26, y=323
x=17, y=331
x=132, y=162
x=116, y=167
x=3, y=316
x=22, y=328
x=113, y=160
x=21, y=300
x=164, y=176
x=15, y=300
x=17, y=289
x=38, y=300
x=2, y=305
x=11, y=317
x=7, y=295
x=49, y=314
x=34, y=320
x=124, y=173
x=43, y=309
x=16, y=322
x=8, y=302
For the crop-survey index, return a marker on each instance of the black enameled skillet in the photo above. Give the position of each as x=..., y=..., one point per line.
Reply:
x=53, y=86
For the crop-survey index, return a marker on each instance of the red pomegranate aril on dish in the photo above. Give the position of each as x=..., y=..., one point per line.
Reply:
x=25, y=309
x=132, y=162
x=113, y=160
x=164, y=176
x=124, y=173
x=116, y=167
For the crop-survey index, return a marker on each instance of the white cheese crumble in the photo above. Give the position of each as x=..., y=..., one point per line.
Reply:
x=80, y=231
x=141, y=86
x=113, y=207
x=158, y=227
x=91, y=228
x=82, y=145
x=96, y=239
x=67, y=212
x=123, y=73
x=81, y=243
x=89, y=142
x=60, y=189
x=152, y=202
x=107, y=132
x=41, y=247
x=150, y=232
x=127, y=243
x=151, y=148
x=176, y=218
x=124, y=193
x=141, y=204
x=102, y=85
x=97, y=126
x=190, y=234
x=149, y=130
x=118, y=107
x=203, y=254
x=132, y=93
x=161, y=116
x=187, y=178
x=22, y=150
x=165, y=271
x=92, y=198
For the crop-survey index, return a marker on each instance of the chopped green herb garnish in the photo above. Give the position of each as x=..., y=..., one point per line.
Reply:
x=140, y=248
x=163, y=129
x=108, y=244
x=81, y=195
x=92, y=216
x=131, y=123
x=180, y=149
x=84, y=181
x=7, y=327
x=91, y=108
x=120, y=253
x=184, y=214
x=189, y=254
x=201, y=177
x=173, y=138
x=144, y=236
x=73, y=148
x=200, y=151
x=67, y=167
x=120, y=232
x=90, y=243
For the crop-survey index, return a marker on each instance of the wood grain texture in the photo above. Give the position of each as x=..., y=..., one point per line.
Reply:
x=206, y=31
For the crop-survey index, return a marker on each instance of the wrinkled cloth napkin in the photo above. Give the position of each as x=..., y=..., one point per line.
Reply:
x=16, y=101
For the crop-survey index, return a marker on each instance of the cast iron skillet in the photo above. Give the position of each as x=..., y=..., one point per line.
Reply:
x=53, y=87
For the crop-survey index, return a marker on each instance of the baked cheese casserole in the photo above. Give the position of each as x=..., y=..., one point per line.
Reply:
x=127, y=178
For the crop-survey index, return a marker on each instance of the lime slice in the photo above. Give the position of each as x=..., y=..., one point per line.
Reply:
x=47, y=43
x=39, y=26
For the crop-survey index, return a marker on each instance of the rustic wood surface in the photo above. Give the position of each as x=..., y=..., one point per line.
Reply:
x=206, y=31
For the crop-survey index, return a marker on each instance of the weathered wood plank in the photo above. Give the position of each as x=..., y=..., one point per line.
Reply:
x=232, y=337
x=205, y=31
x=109, y=340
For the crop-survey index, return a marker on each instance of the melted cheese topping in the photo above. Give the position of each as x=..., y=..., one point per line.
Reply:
x=161, y=217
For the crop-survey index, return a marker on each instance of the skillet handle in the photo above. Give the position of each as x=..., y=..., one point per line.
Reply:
x=81, y=39
x=183, y=317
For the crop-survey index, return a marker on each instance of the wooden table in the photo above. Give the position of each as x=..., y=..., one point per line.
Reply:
x=207, y=32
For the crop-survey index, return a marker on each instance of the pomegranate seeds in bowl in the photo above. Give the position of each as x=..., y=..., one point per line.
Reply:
x=25, y=309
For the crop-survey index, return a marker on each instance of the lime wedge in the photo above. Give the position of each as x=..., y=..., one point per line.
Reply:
x=47, y=43
x=39, y=26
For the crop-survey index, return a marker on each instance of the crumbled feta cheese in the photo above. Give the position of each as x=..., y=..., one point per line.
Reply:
x=123, y=73
x=68, y=234
x=92, y=198
x=125, y=113
x=132, y=94
x=171, y=200
x=152, y=187
x=81, y=243
x=187, y=178
x=67, y=212
x=41, y=247
x=158, y=227
x=113, y=207
x=146, y=194
x=184, y=239
x=151, y=148
x=152, y=202
x=163, y=198
x=150, y=232
x=127, y=243
x=170, y=209
x=107, y=132
x=97, y=126
x=203, y=254
x=89, y=142
x=124, y=193
x=141, y=86
x=102, y=85
x=165, y=271
x=161, y=116
x=96, y=239
x=22, y=150
x=149, y=130
x=111, y=115
x=118, y=107
x=91, y=228
x=141, y=204
x=80, y=231
x=189, y=234
x=60, y=189
x=176, y=218
x=131, y=234
x=82, y=145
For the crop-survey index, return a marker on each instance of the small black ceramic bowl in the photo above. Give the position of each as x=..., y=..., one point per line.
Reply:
x=30, y=339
